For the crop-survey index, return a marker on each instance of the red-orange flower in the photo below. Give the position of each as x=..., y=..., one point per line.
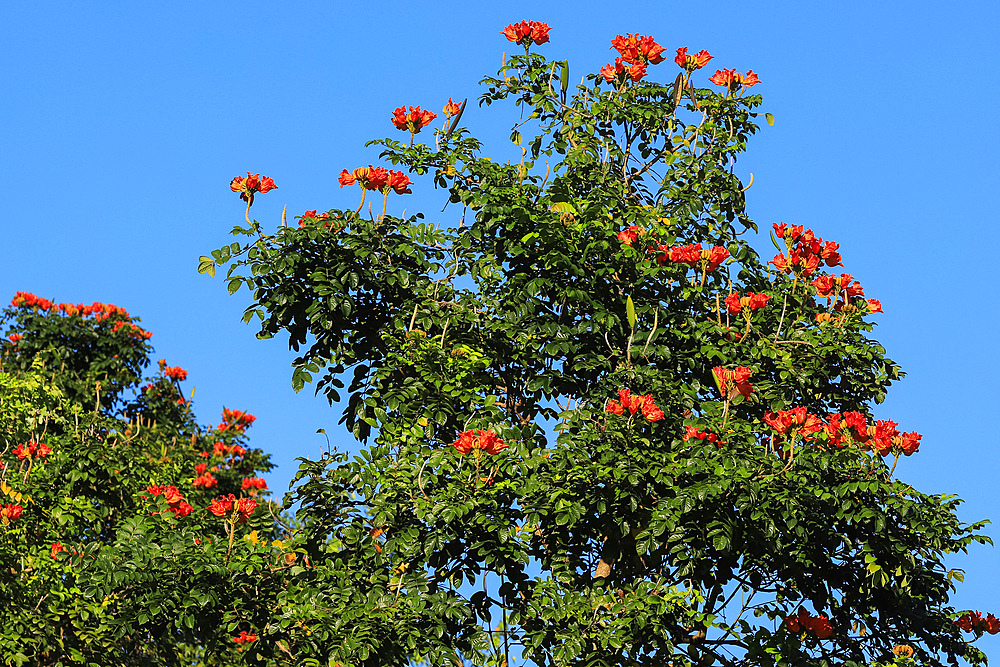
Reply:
x=253, y=483
x=733, y=381
x=10, y=512
x=413, y=120
x=634, y=403
x=527, y=33
x=751, y=301
x=251, y=185
x=638, y=49
x=806, y=622
x=398, y=182
x=691, y=62
x=874, y=306
x=245, y=637
x=222, y=506
x=478, y=439
x=175, y=373
x=733, y=79
x=623, y=70
x=245, y=507
x=451, y=108
x=57, y=547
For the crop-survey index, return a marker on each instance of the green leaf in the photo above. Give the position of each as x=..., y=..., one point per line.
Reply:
x=630, y=311
x=770, y=118
x=564, y=78
x=206, y=265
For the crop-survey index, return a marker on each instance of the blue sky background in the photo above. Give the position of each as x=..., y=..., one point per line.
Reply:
x=123, y=123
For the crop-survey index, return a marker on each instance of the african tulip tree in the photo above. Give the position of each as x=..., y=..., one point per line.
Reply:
x=598, y=427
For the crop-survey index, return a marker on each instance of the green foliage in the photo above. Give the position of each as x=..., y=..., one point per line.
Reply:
x=95, y=568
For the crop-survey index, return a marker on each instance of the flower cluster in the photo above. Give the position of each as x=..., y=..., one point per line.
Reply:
x=241, y=508
x=254, y=484
x=839, y=290
x=377, y=178
x=806, y=622
x=636, y=52
x=750, y=301
x=100, y=311
x=131, y=330
x=805, y=251
x=709, y=259
x=694, y=433
x=173, y=497
x=413, y=120
x=527, y=33
x=841, y=429
x=15, y=337
x=634, y=403
x=175, y=373
x=973, y=621
x=733, y=79
x=203, y=477
x=245, y=637
x=251, y=185
x=31, y=450
x=222, y=449
x=476, y=439
x=235, y=420
x=328, y=220
x=733, y=381
x=10, y=513
x=691, y=62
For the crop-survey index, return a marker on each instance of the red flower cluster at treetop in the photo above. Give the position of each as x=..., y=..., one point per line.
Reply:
x=10, y=513
x=131, y=330
x=175, y=373
x=253, y=484
x=527, y=33
x=636, y=52
x=733, y=381
x=476, y=439
x=172, y=495
x=691, y=62
x=413, y=120
x=735, y=303
x=235, y=420
x=973, y=621
x=733, y=79
x=100, y=311
x=245, y=637
x=805, y=251
x=31, y=450
x=806, y=622
x=633, y=403
x=251, y=185
x=242, y=508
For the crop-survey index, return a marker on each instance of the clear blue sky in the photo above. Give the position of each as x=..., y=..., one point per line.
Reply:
x=123, y=123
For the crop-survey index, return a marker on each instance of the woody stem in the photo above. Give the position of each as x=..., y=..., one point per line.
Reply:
x=364, y=192
x=248, y=211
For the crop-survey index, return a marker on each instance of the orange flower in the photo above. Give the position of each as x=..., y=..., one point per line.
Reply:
x=634, y=403
x=222, y=506
x=527, y=33
x=733, y=381
x=478, y=439
x=414, y=120
x=451, y=108
x=692, y=62
x=245, y=507
x=245, y=637
x=251, y=185
x=638, y=49
x=57, y=547
x=733, y=79
x=397, y=182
